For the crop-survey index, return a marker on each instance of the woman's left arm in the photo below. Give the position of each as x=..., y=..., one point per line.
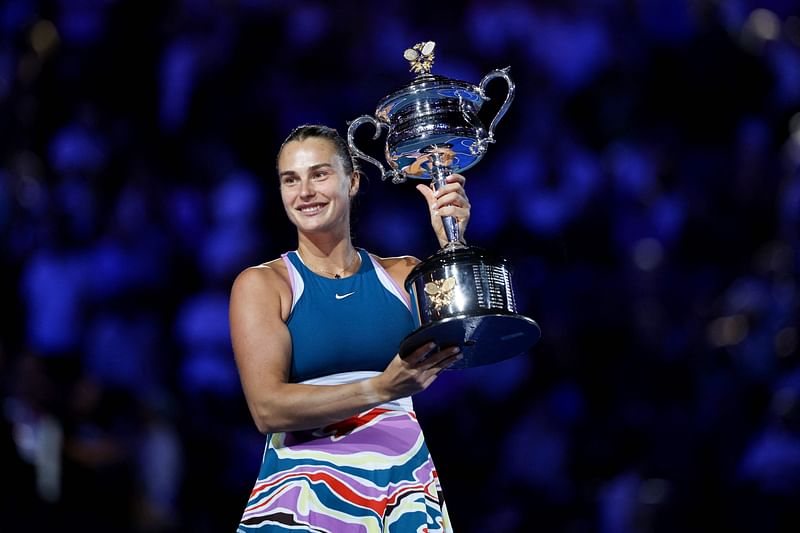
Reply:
x=450, y=200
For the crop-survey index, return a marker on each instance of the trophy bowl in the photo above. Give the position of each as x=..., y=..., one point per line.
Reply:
x=432, y=113
x=461, y=295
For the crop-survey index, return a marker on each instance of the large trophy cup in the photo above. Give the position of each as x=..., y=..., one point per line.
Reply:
x=461, y=295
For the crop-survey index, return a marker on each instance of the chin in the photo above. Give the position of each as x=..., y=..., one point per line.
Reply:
x=306, y=227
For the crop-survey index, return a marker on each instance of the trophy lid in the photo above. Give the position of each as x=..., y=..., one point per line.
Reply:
x=426, y=86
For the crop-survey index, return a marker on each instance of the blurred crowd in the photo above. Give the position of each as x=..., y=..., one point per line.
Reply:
x=645, y=187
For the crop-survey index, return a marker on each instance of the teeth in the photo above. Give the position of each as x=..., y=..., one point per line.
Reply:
x=311, y=208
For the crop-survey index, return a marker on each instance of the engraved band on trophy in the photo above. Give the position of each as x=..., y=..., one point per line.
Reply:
x=461, y=295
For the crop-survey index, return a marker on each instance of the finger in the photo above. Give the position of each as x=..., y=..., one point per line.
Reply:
x=428, y=193
x=453, y=180
x=446, y=363
x=441, y=367
x=449, y=188
x=429, y=380
x=435, y=359
x=456, y=178
x=420, y=353
x=452, y=198
x=453, y=211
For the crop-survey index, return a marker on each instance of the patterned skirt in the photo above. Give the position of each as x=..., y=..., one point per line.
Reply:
x=369, y=473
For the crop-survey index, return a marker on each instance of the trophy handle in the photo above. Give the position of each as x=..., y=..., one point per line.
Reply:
x=353, y=126
x=471, y=118
x=497, y=73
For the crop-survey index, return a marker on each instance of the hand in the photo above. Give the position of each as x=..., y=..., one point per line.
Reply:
x=450, y=200
x=415, y=373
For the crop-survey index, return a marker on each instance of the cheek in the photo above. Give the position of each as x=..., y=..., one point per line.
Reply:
x=335, y=189
x=286, y=199
x=347, y=186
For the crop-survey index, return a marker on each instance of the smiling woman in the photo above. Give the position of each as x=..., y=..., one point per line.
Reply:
x=315, y=336
x=315, y=188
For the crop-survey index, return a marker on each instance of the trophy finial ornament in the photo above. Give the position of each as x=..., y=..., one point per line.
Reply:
x=421, y=57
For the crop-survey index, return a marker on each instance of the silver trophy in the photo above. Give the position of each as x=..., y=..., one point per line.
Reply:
x=462, y=295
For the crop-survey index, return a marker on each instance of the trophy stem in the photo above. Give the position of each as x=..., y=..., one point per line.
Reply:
x=439, y=172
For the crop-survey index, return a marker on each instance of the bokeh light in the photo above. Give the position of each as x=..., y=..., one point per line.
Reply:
x=644, y=186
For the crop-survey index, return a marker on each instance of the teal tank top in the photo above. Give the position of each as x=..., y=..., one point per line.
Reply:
x=343, y=325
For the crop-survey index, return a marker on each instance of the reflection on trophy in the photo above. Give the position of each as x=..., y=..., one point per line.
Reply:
x=423, y=162
x=462, y=295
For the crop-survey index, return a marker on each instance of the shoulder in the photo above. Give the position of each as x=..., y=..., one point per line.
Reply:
x=398, y=267
x=269, y=273
x=267, y=281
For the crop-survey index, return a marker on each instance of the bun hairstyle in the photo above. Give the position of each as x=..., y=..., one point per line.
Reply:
x=306, y=131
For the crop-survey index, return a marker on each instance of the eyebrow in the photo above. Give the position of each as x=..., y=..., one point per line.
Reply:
x=312, y=168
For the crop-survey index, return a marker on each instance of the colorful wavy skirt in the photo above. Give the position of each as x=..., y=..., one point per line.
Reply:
x=369, y=473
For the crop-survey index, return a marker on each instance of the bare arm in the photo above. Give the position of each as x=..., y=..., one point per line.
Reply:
x=262, y=347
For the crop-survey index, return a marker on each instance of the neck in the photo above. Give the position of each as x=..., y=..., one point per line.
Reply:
x=327, y=251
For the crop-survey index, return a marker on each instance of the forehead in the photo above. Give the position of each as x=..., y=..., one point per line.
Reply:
x=299, y=155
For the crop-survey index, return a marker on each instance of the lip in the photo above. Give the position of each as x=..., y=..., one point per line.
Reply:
x=311, y=209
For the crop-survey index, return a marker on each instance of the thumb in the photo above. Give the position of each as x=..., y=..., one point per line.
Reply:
x=427, y=192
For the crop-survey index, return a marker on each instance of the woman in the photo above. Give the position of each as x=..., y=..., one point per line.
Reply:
x=315, y=334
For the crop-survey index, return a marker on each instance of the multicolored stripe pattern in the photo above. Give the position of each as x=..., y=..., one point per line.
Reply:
x=369, y=473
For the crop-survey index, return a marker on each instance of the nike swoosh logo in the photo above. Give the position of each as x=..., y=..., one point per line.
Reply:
x=343, y=296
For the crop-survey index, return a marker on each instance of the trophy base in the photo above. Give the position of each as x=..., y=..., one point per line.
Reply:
x=484, y=339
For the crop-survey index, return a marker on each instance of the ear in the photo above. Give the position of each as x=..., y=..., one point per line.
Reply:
x=355, y=181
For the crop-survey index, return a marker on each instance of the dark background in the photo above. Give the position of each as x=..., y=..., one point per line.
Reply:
x=645, y=186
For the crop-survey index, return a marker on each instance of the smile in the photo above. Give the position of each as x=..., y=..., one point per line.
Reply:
x=311, y=209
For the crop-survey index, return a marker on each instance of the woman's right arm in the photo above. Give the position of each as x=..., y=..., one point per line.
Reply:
x=263, y=349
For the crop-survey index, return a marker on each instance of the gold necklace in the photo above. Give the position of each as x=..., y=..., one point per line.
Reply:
x=334, y=274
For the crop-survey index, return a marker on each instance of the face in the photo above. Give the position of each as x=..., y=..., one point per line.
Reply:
x=315, y=191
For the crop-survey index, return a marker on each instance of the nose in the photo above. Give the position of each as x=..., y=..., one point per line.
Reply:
x=306, y=189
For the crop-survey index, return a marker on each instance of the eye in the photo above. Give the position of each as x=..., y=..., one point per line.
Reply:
x=320, y=174
x=288, y=180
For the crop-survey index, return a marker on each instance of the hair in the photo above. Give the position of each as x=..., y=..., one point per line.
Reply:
x=306, y=131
